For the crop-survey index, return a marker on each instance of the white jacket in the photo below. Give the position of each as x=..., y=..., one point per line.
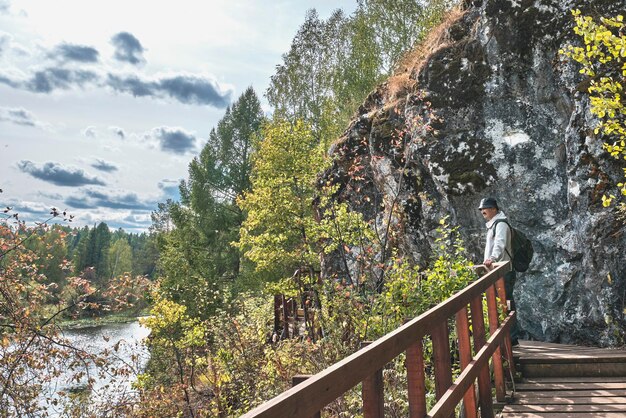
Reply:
x=495, y=246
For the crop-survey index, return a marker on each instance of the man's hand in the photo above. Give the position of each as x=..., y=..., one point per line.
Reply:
x=488, y=263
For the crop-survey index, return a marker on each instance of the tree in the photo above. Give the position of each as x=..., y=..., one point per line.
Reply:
x=120, y=258
x=50, y=246
x=603, y=60
x=145, y=254
x=277, y=230
x=32, y=350
x=78, y=251
x=96, y=251
x=398, y=25
x=305, y=80
x=196, y=256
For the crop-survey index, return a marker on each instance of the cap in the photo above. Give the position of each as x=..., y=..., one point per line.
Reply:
x=488, y=202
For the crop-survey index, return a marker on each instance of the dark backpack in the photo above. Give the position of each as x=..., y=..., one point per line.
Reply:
x=520, y=245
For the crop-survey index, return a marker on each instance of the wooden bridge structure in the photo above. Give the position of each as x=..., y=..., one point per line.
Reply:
x=557, y=381
x=561, y=381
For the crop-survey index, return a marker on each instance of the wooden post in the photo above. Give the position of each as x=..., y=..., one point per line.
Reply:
x=484, y=382
x=285, y=334
x=299, y=378
x=416, y=381
x=441, y=358
x=498, y=370
x=465, y=354
x=373, y=393
x=507, y=339
x=277, y=312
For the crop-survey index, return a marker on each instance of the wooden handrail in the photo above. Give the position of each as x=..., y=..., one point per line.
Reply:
x=309, y=397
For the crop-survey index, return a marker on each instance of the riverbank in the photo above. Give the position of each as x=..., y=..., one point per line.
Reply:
x=114, y=318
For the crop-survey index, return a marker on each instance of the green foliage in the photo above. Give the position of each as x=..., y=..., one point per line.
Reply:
x=270, y=204
x=334, y=64
x=229, y=364
x=189, y=278
x=603, y=60
x=93, y=251
x=120, y=258
x=399, y=25
x=277, y=233
x=304, y=80
x=196, y=258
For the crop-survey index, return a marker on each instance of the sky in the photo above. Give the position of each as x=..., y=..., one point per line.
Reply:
x=103, y=104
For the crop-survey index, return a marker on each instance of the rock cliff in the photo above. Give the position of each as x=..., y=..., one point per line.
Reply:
x=488, y=108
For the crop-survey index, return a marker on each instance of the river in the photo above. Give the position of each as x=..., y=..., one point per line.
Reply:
x=127, y=338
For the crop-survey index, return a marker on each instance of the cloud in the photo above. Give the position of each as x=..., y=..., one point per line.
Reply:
x=170, y=189
x=9, y=82
x=194, y=90
x=128, y=48
x=133, y=222
x=118, y=131
x=78, y=53
x=90, y=132
x=56, y=174
x=52, y=78
x=48, y=195
x=37, y=209
x=18, y=116
x=5, y=5
x=187, y=89
x=49, y=79
x=104, y=166
x=175, y=140
x=91, y=199
x=5, y=41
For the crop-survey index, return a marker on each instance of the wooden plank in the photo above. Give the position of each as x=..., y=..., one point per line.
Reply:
x=574, y=400
x=498, y=370
x=569, y=393
x=372, y=392
x=572, y=358
x=540, y=351
x=315, y=393
x=582, y=370
x=565, y=408
x=564, y=415
x=299, y=378
x=441, y=359
x=445, y=406
x=570, y=379
x=416, y=380
x=465, y=356
x=508, y=347
x=569, y=386
x=484, y=381
x=373, y=396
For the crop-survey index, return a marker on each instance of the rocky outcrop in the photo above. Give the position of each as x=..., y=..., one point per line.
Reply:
x=505, y=119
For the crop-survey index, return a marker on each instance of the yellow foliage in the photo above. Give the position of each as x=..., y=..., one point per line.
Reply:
x=603, y=59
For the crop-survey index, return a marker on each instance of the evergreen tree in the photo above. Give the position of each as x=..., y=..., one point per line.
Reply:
x=197, y=258
x=120, y=257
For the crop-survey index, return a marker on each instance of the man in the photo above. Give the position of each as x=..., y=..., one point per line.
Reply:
x=498, y=248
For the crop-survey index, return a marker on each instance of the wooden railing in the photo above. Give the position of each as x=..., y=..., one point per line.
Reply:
x=365, y=366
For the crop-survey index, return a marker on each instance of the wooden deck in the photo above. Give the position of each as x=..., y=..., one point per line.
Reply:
x=568, y=381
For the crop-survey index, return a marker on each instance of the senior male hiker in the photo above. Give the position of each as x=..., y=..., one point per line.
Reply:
x=498, y=248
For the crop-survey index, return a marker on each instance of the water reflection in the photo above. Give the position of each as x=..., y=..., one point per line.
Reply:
x=124, y=344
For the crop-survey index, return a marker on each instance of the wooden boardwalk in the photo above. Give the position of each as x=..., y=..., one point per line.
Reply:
x=568, y=381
